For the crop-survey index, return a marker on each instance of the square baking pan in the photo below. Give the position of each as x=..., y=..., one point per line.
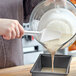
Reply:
x=44, y=60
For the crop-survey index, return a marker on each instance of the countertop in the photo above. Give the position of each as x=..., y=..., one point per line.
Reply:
x=25, y=70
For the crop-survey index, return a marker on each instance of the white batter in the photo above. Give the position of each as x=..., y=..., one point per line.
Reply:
x=56, y=70
x=54, y=45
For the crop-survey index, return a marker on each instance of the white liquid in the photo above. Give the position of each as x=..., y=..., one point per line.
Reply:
x=56, y=70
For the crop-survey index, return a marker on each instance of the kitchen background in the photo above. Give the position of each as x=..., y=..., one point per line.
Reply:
x=32, y=48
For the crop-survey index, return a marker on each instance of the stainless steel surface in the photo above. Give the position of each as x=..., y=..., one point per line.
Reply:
x=29, y=52
x=30, y=58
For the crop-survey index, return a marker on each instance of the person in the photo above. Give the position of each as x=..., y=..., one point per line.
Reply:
x=11, y=31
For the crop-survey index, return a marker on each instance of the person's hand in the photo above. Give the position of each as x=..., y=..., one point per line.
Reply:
x=62, y=2
x=10, y=29
x=47, y=2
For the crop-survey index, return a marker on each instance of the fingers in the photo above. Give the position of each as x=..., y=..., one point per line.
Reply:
x=47, y=2
x=13, y=34
x=14, y=30
x=21, y=31
x=8, y=36
x=17, y=32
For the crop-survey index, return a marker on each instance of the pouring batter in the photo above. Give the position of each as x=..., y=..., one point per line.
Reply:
x=57, y=21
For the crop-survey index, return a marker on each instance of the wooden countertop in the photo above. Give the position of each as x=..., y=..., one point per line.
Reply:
x=25, y=70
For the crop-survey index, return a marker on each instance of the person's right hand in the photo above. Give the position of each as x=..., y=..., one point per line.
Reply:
x=10, y=29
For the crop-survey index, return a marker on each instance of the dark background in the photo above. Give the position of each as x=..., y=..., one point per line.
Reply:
x=28, y=7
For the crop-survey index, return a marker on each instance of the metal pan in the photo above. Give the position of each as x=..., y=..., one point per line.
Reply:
x=44, y=60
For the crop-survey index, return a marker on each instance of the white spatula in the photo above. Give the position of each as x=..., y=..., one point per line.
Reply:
x=44, y=35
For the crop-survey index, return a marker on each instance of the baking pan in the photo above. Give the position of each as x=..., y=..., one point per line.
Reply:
x=44, y=60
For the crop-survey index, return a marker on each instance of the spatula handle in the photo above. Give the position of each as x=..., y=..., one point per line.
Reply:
x=31, y=32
